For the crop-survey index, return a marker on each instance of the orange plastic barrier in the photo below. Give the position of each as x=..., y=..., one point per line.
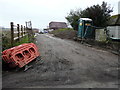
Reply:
x=20, y=55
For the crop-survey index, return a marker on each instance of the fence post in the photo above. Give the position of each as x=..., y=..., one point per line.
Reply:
x=22, y=30
x=12, y=33
x=29, y=30
x=18, y=29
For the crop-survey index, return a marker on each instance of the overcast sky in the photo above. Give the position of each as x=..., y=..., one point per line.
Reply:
x=41, y=12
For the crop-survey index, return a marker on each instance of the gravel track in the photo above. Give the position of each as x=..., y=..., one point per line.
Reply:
x=66, y=64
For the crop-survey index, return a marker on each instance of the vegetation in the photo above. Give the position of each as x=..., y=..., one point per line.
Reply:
x=6, y=39
x=23, y=40
x=66, y=33
x=60, y=30
x=6, y=42
x=100, y=15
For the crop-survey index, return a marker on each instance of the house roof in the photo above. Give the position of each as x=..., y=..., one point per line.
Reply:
x=85, y=19
x=57, y=25
x=114, y=20
x=57, y=22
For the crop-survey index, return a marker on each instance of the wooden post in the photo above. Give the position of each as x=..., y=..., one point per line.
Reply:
x=31, y=25
x=22, y=30
x=31, y=31
x=26, y=24
x=27, y=30
x=18, y=29
x=12, y=33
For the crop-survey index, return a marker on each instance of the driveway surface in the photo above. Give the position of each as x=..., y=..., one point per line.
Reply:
x=66, y=64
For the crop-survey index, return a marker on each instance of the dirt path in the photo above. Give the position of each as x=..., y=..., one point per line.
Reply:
x=67, y=64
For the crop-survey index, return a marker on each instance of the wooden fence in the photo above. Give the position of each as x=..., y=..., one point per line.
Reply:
x=17, y=32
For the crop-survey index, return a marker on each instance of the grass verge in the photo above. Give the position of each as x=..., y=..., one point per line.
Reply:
x=6, y=42
x=66, y=33
x=61, y=30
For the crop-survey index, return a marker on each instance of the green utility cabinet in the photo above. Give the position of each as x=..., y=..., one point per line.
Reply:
x=85, y=29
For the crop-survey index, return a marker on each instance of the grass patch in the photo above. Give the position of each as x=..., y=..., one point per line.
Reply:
x=25, y=39
x=60, y=30
x=66, y=33
x=6, y=42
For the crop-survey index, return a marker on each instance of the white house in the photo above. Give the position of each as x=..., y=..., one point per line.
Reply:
x=119, y=7
x=114, y=27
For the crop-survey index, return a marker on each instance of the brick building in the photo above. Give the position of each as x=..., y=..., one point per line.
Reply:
x=57, y=25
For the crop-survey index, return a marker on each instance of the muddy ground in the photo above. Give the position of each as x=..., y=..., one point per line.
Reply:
x=109, y=45
x=66, y=64
x=66, y=34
